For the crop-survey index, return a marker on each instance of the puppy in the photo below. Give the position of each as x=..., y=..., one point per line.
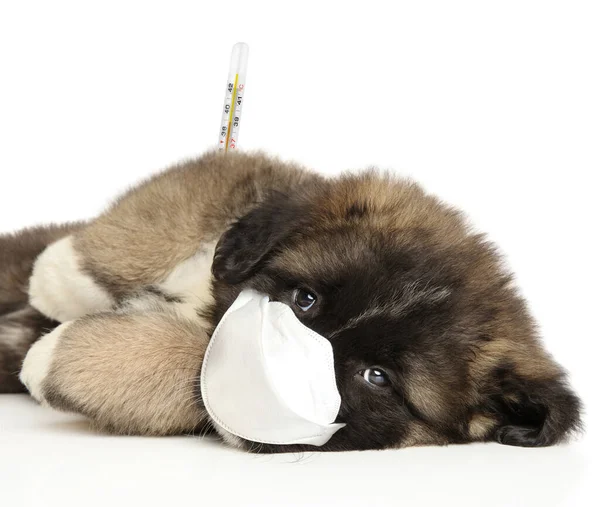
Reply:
x=432, y=343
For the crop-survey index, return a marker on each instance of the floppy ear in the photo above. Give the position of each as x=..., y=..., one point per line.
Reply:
x=535, y=413
x=243, y=249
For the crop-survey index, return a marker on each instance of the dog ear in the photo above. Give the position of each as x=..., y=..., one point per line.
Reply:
x=534, y=413
x=245, y=246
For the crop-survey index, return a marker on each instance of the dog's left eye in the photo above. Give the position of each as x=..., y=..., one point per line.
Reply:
x=375, y=376
x=304, y=299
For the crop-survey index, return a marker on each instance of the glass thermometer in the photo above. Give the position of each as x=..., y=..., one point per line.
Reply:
x=234, y=97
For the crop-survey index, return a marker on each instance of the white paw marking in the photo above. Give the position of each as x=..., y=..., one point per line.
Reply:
x=38, y=361
x=60, y=290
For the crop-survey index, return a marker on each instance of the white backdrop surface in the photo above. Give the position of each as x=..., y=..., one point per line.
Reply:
x=492, y=105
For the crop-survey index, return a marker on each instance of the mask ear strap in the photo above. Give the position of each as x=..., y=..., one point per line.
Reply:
x=234, y=98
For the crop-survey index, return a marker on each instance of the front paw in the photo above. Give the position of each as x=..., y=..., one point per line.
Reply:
x=38, y=362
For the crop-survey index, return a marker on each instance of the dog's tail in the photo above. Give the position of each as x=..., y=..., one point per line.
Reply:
x=20, y=324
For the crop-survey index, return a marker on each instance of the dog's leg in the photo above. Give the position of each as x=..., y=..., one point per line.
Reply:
x=130, y=372
x=147, y=235
x=20, y=324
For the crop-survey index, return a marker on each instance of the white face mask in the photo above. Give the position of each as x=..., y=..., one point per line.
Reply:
x=268, y=378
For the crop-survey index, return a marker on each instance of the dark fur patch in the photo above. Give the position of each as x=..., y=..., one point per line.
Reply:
x=357, y=210
x=20, y=324
x=532, y=413
x=19, y=329
x=244, y=248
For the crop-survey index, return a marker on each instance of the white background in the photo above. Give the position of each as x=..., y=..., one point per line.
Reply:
x=492, y=105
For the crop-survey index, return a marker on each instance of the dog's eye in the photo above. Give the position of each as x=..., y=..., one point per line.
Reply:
x=375, y=376
x=304, y=299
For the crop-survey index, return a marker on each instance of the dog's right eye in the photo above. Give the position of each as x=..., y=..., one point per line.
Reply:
x=304, y=299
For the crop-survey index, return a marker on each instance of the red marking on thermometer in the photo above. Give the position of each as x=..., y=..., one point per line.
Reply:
x=234, y=98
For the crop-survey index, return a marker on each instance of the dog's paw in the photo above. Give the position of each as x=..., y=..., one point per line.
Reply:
x=60, y=289
x=38, y=363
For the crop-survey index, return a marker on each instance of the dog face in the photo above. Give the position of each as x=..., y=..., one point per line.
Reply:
x=431, y=343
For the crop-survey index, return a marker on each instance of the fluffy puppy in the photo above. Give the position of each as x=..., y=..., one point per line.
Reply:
x=432, y=343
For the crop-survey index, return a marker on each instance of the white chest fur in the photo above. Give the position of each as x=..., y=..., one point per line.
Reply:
x=191, y=281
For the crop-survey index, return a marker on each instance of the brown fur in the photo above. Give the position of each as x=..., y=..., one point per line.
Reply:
x=160, y=223
x=403, y=284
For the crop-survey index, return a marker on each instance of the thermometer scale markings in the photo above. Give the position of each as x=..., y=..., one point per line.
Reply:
x=232, y=110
